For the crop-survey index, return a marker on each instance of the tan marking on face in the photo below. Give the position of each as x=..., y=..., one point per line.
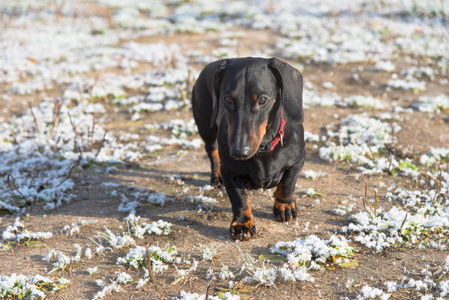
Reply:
x=257, y=138
x=255, y=97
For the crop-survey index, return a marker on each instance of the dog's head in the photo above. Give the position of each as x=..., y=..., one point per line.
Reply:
x=248, y=90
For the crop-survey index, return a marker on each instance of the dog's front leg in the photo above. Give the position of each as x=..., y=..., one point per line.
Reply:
x=242, y=225
x=285, y=208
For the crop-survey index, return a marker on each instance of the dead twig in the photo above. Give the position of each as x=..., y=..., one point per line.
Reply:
x=67, y=177
x=12, y=185
x=90, y=133
x=439, y=183
x=434, y=179
x=371, y=150
x=80, y=150
x=208, y=287
x=73, y=125
x=376, y=204
x=101, y=145
x=150, y=272
x=365, y=200
x=34, y=117
x=56, y=116
x=403, y=223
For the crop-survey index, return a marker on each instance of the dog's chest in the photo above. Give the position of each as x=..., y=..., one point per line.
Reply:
x=257, y=174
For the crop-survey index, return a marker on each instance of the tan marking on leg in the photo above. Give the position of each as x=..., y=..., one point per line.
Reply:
x=250, y=220
x=283, y=207
x=279, y=193
x=216, y=158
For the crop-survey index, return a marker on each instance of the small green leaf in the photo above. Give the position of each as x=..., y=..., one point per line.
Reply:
x=394, y=172
x=351, y=264
x=406, y=165
x=6, y=246
x=274, y=258
x=33, y=243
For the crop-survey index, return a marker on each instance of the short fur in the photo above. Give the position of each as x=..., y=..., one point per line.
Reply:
x=237, y=106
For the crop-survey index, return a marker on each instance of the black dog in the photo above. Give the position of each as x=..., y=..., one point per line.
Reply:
x=254, y=107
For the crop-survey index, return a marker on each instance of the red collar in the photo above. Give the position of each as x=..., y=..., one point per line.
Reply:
x=280, y=136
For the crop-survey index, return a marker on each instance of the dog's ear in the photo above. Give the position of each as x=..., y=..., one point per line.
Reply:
x=276, y=67
x=290, y=82
x=216, y=90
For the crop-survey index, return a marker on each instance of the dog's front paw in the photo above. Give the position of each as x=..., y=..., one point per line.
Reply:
x=215, y=180
x=242, y=231
x=285, y=211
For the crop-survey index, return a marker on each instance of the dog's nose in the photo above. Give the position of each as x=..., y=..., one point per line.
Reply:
x=240, y=153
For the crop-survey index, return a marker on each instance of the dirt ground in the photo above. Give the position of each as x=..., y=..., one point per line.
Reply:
x=193, y=227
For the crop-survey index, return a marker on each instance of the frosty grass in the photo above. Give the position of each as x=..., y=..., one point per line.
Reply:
x=43, y=149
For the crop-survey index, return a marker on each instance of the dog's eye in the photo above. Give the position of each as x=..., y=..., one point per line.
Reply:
x=262, y=100
x=228, y=100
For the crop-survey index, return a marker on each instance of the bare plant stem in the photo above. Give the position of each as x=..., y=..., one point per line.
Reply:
x=12, y=185
x=208, y=287
x=34, y=117
x=150, y=272
x=365, y=200
x=403, y=223
x=101, y=145
x=376, y=205
x=67, y=177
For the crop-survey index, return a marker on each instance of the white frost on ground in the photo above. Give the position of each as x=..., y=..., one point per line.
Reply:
x=30, y=287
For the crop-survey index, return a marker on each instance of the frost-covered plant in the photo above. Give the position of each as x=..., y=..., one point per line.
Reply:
x=310, y=137
x=361, y=140
x=114, y=286
x=75, y=227
x=208, y=253
x=312, y=174
x=368, y=292
x=30, y=287
x=263, y=275
x=362, y=101
x=115, y=240
x=157, y=198
x=159, y=227
x=204, y=201
x=16, y=232
x=399, y=227
x=184, y=273
x=225, y=273
x=92, y=271
x=435, y=104
x=315, y=253
x=180, y=128
x=386, y=66
x=194, y=296
x=310, y=192
x=435, y=155
x=401, y=84
x=136, y=258
x=62, y=261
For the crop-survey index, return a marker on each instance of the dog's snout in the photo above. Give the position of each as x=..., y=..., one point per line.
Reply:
x=240, y=153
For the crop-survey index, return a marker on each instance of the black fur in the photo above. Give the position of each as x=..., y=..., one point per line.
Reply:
x=237, y=105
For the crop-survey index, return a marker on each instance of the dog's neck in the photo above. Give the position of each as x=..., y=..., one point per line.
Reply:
x=275, y=131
